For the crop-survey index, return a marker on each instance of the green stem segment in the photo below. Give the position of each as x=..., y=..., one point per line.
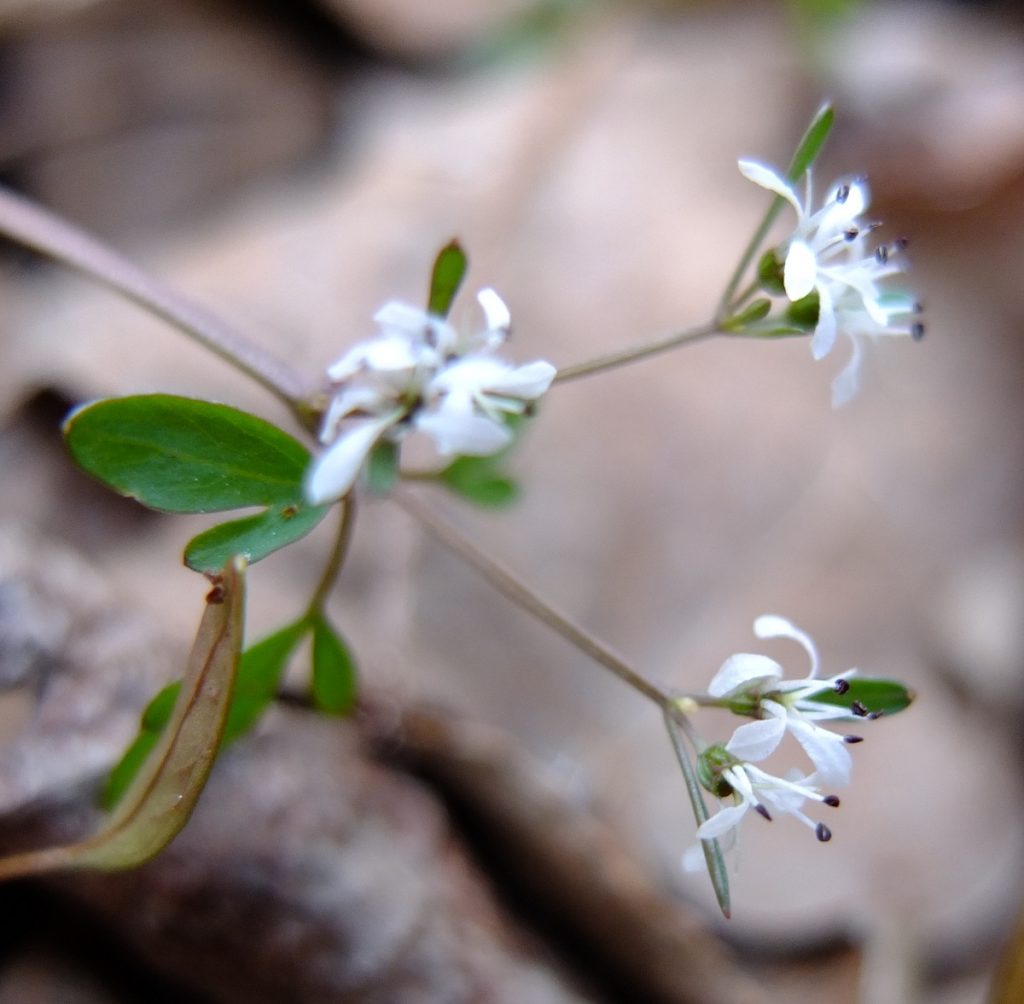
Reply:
x=36, y=228
x=519, y=593
x=336, y=559
x=622, y=358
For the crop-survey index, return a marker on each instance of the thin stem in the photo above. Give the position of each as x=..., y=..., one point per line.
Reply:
x=626, y=356
x=724, y=305
x=336, y=558
x=35, y=227
x=519, y=593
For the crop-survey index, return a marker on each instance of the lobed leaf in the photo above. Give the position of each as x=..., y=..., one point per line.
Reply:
x=177, y=454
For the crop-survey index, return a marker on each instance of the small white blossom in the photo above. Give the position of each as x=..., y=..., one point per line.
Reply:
x=421, y=373
x=828, y=254
x=753, y=788
x=755, y=684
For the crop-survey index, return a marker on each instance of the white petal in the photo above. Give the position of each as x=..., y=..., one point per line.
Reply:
x=495, y=311
x=825, y=332
x=741, y=670
x=693, y=859
x=828, y=752
x=774, y=626
x=463, y=432
x=334, y=472
x=757, y=740
x=847, y=383
x=526, y=382
x=764, y=176
x=722, y=821
x=800, y=271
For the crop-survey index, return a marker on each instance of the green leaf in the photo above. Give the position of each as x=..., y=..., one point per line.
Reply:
x=165, y=790
x=257, y=680
x=334, y=671
x=253, y=537
x=382, y=467
x=259, y=675
x=811, y=144
x=446, y=277
x=884, y=697
x=478, y=480
x=177, y=454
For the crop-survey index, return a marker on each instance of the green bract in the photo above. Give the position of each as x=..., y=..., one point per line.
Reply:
x=446, y=277
x=811, y=143
x=884, y=697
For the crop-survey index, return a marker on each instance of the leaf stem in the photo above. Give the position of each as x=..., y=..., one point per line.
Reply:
x=336, y=559
x=37, y=228
x=626, y=356
x=524, y=597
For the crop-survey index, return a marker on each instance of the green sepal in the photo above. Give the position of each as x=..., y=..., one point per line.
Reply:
x=710, y=764
x=253, y=537
x=810, y=145
x=756, y=311
x=177, y=454
x=770, y=273
x=335, y=681
x=446, y=278
x=877, y=696
x=382, y=467
x=802, y=314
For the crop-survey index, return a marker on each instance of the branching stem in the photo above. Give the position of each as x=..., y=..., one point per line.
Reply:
x=37, y=228
x=524, y=597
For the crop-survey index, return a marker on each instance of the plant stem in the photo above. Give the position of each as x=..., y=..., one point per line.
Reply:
x=725, y=304
x=519, y=593
x=35, y=227
x=626, y=356
x=336, y=558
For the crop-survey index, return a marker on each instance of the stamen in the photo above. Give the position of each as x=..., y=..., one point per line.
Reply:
x=853, y=739
x=917, y=331
x=832, y=800
x=852, y=234
x=762, y=811
x=901, y=243
x=823, y=833
x=882, y=254
x=875, y=715
x=842, y=193
x=859, y=709
x=841, y=686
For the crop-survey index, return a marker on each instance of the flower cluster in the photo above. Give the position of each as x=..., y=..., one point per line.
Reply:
x=421, y=373
x=828, y=257
x=753, y=686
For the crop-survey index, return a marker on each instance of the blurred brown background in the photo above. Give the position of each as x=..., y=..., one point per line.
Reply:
x=294, y=166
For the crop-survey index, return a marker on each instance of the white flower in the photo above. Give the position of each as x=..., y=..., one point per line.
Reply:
x=753, y=684
x=419, y=372
x=753, y=788
x=828, y=254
